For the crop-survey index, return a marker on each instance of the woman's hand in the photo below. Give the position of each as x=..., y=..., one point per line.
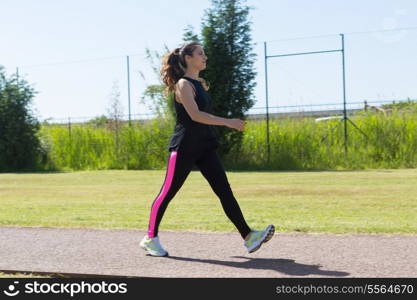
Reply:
x=237, y=124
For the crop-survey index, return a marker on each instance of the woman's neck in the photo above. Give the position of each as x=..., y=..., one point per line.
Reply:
x=192, y=75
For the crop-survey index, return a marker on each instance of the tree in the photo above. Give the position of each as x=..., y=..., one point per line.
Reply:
x=189, y=35
x=99, y=122
x=20, y=147
x=226, y=41
x=115, y=111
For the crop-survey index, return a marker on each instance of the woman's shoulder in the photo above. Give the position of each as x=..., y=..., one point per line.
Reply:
x=181, y=82
x=193, y=82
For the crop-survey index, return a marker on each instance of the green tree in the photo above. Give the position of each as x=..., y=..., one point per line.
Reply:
x=189, y=35
x=227, y=43
x=20, y=147
x=99, y=121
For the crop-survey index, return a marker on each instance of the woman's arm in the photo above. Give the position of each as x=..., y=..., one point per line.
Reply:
x=184, y=92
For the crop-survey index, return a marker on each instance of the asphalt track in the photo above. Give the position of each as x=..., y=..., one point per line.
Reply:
x=110, y=252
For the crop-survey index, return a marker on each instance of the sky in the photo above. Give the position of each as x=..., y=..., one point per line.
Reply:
x=73, y=53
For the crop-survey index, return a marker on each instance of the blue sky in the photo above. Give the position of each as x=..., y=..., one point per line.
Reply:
x=59, y=48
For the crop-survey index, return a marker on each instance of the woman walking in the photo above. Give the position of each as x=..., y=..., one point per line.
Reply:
x=194, y=142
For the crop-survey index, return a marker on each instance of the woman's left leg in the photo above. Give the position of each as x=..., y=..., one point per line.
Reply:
x=212, y=169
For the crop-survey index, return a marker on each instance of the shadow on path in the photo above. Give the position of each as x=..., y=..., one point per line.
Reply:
x=286, y=266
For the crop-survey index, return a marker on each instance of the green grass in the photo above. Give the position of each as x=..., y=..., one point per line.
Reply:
x=22, y=275
x=368, y=201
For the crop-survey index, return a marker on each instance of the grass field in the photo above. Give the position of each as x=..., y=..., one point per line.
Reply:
x=369, y=201
x=22, y=275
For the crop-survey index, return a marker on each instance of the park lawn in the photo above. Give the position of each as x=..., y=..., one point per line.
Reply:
x=366, y=201
x=22, y=275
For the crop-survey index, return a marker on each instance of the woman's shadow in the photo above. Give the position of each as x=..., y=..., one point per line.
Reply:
x=286, y=266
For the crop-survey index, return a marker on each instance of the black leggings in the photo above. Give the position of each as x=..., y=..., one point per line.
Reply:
x=180, y=164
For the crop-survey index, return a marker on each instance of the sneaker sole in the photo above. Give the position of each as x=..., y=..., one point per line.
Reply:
x=268, y=236
x=144, y=248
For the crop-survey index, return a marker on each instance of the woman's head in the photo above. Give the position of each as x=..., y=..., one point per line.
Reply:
x=176, y=63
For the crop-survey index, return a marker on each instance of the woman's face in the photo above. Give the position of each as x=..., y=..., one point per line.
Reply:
x=198, y=60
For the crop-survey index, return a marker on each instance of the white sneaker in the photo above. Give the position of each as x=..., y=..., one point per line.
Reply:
x=256, y=238
x=153, y=246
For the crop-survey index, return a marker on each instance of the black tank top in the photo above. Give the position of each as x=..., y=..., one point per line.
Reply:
x=188, y=134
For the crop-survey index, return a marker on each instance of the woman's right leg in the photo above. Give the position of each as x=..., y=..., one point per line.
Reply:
x=212, y=169
x=179, y=166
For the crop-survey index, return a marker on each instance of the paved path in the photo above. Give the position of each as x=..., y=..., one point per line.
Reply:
x=192, y=254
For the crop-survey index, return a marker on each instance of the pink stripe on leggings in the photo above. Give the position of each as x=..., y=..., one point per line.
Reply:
x=161, y=196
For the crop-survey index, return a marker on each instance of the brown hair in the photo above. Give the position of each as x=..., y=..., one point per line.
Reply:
x=174, y=66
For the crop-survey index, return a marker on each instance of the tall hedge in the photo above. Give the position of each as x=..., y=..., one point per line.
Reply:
x=20, y=148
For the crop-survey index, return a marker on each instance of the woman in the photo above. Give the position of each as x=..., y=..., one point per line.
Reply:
x=194, y=142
